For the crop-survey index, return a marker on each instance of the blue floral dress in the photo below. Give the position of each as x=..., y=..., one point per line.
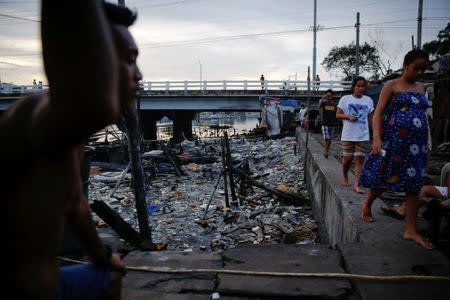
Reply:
x=404, y=134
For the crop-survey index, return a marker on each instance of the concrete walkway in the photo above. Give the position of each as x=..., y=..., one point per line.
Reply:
x=354, y=247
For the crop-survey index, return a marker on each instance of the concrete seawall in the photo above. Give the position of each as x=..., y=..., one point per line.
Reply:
x=335, y=208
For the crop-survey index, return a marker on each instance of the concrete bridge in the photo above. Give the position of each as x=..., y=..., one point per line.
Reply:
x=180, y=100
x=219, y=95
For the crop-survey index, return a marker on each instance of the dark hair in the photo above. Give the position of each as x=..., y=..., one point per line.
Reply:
x=414, y=54
x=119, y=15
x=329, y=91
x=358, y=78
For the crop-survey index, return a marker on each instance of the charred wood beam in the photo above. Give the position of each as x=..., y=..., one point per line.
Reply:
x=291, y=199
x=122, y=228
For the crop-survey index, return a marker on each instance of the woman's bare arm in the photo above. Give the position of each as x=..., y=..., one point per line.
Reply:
x=385, y=95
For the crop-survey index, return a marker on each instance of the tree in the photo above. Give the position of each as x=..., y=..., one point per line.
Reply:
x=343, y=59
x=441, y=46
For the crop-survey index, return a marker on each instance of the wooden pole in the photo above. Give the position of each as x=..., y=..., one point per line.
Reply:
x=229, y=162
x=134, y=151
x=224, y=165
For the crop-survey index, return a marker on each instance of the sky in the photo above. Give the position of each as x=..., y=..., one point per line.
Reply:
x=234, y=39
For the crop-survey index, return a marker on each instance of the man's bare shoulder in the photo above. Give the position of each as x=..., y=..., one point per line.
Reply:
x=20, y=113
x=16, y=123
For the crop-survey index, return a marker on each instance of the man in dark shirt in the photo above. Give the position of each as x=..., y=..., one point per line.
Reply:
x=328, y=119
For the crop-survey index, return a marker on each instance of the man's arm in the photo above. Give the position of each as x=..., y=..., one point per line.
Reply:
x=80, y=221
x=81, y=67
x=321, y=102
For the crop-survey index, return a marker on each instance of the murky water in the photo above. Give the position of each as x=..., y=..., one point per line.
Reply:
x=214, y=124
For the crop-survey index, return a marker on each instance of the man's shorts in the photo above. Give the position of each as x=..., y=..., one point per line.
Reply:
x=85, y=282
x=327, y=132
x=350, y=148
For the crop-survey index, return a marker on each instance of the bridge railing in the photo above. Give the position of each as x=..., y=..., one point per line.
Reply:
x=7, y=88
x=221, y=86
x=149, y=87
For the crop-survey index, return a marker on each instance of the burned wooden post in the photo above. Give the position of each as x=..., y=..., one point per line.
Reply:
x=243, y=185
x=168, y=155
x=134, y=151
x=124, y=172
x=224, y=166
x=212, y=195
x=229, y=162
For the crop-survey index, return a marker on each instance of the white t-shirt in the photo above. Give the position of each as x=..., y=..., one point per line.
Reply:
x=356, y=131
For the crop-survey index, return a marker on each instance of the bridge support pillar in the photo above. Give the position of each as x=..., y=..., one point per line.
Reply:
x=182, y=123
x=148, y=124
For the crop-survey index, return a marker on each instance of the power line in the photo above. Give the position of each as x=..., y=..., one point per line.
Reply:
x=219, y=39
x=19, y=18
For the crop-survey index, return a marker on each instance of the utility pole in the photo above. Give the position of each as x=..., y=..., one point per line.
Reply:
x=419, y=25
x=412, y=42
x=357, y=44
x=201, y=74
x=131, y=121
x=314, y=42
x=307, y=125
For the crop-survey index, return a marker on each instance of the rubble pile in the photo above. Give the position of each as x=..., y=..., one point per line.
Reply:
x=177, y=204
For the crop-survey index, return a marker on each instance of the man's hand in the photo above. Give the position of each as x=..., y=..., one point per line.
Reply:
x=117, y=264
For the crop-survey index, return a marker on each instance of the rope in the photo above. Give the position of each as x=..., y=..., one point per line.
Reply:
x=281, y=274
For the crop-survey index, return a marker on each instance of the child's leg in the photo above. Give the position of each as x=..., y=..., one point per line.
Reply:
x=359, y=161
x=366, y=212
x=346, y=163
x=361, y=149
x=348, y=149
x=412, y=206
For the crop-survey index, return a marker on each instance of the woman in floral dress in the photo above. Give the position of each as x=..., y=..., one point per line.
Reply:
x=400, y=132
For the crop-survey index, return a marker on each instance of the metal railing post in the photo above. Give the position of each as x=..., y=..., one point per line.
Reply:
x=224, y=85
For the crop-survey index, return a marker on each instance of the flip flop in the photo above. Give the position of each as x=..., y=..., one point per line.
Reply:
x=388, y=211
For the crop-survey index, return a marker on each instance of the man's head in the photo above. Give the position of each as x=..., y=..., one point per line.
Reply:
x=120, y=19
x=329, y=94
